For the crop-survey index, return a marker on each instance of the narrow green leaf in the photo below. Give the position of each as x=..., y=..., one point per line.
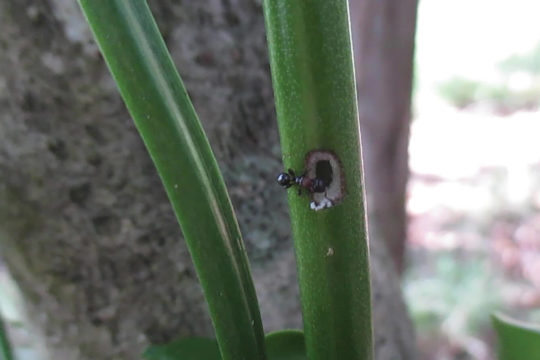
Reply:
x=157, y=100
x=517, y=340
x=314, y=87
x=5, y=346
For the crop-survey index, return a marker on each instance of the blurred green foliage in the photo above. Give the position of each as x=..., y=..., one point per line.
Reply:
x=456, y=299
x=459, y=91
x=517, y=89
x=529, y=63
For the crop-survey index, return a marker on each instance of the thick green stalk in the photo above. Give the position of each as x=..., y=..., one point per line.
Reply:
x=157, y=100
x=5, y=346
x=314, y=87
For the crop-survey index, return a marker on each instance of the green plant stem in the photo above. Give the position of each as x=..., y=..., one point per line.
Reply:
x=314, y=87
x=157, y=100
x=5, y=346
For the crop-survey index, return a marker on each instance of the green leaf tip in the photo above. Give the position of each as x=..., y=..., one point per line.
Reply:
x=516, y=340
x=286, y=345
x=281, y=345
x=185, y=349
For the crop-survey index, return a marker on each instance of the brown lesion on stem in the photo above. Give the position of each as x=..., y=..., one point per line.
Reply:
x=325, y=165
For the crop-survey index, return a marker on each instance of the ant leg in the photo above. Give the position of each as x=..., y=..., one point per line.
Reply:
x=291, y=172
x=299, y=191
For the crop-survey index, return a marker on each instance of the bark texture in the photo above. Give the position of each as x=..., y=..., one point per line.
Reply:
x=383, y=37
x=85, y=226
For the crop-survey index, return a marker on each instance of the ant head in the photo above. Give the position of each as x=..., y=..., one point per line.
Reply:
x=284, y=179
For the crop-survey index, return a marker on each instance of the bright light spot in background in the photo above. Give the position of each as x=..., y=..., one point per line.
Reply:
x=474, y=192
x=469, y=37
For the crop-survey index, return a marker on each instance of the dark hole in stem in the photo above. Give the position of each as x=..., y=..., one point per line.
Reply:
x=323, y=171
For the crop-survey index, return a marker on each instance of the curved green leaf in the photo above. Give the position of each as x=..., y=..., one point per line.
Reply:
x=157, y=100
x=517, y=340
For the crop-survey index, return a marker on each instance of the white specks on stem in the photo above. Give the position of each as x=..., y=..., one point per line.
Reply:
x=330, y=252
x=322, y=204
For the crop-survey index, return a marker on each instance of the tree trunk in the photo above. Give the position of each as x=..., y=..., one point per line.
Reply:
x=383, y=37
x=85, y=226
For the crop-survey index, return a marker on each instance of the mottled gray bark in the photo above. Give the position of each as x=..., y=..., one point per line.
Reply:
x=383, y=37
x=85, y=226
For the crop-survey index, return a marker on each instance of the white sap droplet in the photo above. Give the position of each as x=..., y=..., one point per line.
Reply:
x=323, y=204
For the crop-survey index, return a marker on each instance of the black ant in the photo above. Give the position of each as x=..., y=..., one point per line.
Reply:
x=289, y=179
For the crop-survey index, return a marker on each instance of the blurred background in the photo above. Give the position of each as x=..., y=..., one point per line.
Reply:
x=473, y=193
x=474, y=190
